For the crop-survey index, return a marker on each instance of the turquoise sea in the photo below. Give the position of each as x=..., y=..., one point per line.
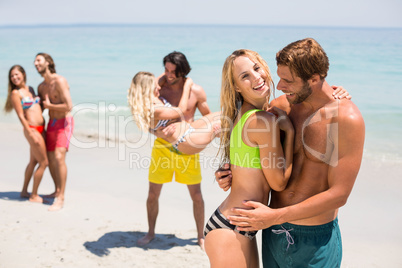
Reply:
x=100, y=60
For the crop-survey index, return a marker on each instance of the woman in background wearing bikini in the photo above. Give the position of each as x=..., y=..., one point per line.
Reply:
x=23, y=99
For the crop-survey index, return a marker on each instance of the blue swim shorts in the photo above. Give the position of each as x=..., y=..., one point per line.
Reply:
x=290, y=245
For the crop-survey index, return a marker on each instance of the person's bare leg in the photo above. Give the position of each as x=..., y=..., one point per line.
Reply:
x=198, y=210
x=205, y=130
x=61, y=175
x=37, y=179
x=53, y=172
x=39, y=153
x=152, y=211
x=227, y=248
x=28, y=175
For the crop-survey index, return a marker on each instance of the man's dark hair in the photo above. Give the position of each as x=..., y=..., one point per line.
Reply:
x=178, y=59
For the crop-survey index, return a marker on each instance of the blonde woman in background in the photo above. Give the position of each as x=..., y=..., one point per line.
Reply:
x=151, y=112
x=23, y=100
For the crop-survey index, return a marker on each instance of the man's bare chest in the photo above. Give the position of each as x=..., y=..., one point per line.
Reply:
x=174, y=97
x=51, y=91
x=315, y=134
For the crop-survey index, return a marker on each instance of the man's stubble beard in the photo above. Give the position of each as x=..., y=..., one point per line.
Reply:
x=41, y=72
x=174, y=81
x=303, y=94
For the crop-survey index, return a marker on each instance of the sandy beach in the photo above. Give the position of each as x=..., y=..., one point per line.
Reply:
x=105, y=214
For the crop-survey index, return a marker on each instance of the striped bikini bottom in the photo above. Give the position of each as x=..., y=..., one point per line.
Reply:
x=182, y=138
x=219, y=221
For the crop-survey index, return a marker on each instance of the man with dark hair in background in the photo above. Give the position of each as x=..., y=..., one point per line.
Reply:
x=166, y=161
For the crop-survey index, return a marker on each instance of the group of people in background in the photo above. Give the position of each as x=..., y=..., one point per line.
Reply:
x=290, y=164
x=48, y=147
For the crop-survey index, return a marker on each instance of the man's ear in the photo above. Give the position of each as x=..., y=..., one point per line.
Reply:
x=315, y=78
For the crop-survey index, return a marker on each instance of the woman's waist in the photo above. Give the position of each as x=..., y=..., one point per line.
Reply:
x=236, y=199
x=34, y=118
x=250, y=180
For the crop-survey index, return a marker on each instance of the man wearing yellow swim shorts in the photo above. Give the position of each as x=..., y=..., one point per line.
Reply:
x=166, y=161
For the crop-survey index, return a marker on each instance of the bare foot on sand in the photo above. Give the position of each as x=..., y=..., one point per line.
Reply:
x=53, y=195
x=36, y=199
x=57, y=204
x=145, y=239
x=24, y=195
x=201, y=242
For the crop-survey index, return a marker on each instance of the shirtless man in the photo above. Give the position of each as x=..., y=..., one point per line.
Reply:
x=55, y=95
x=301, y=225
x=176, y=69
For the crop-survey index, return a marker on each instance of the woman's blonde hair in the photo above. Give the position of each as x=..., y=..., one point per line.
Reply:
x=231, y=100
x=9, y=106
x=140, y=99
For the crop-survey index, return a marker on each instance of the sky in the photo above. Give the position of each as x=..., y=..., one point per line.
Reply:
x=342, y=13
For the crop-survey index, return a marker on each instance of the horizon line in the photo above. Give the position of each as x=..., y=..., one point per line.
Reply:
x=117, y=24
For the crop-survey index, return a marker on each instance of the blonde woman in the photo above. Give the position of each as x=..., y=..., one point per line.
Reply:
x=250, y=141
x=151, y=112
x=22, y=99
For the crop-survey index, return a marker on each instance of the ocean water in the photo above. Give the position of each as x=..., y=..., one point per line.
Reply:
x=100, y=61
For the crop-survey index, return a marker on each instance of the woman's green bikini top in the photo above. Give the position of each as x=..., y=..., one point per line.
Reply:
x=241, y=154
